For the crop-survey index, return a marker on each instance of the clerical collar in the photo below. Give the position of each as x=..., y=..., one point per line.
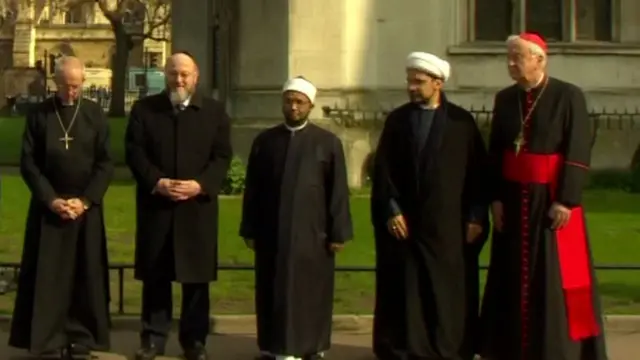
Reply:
x=429, y=107
x=538, y=83
x=63, y=104
x=296, y=128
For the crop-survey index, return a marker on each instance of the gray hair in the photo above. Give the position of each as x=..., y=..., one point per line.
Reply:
x=64, y=62
x=533, y=48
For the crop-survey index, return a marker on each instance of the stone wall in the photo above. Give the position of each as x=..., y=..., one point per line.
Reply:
x=6, y=47
x=354, y=51
x=616, y=140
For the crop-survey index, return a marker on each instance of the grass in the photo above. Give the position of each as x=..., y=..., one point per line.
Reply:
x=11, y=129
x=613, y=219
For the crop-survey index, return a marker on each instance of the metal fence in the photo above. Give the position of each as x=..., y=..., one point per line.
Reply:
x=9, y=274
x=101, y=95
x=601, y=119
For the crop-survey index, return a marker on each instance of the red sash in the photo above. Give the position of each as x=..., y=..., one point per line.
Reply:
x=573, y=255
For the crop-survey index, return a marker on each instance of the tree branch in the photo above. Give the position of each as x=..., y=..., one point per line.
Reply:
x=157, y=16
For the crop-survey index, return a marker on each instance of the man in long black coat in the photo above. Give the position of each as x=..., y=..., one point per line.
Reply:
x=541, y=300
x=178, y=149
x=63, y=291
x=428, y=211
x=296, y=217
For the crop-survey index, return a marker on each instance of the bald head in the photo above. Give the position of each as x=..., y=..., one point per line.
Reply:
x=181, y=74
x=69, y=78
x=67, y=64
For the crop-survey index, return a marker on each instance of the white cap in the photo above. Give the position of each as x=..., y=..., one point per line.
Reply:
x=430, y=64
x=301, y=85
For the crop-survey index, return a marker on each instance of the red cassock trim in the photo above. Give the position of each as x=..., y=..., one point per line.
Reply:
x=575, y=270
x=524, y=236
x=577, y=164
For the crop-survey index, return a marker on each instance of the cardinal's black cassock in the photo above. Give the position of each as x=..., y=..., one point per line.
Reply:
x=63, y=290
x=296, y=203
x=428, y=166
x=540, y=300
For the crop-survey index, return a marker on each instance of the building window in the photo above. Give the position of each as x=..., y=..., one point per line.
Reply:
x=75, y=15
x=556, y=20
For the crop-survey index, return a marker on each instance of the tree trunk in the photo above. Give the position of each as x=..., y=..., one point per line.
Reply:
x=119, y=68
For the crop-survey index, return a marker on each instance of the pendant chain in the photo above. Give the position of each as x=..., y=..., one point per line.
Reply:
x=519, y=142
x=66, y=130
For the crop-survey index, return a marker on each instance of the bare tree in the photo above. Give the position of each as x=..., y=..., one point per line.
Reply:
x=132, y=21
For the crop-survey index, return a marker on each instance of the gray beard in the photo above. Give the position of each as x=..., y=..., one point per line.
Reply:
x=178, y=98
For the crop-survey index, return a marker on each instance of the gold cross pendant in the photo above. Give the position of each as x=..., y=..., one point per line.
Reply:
x=519, y=142
x=66, y=140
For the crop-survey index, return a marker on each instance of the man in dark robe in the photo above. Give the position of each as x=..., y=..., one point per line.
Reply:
x=178, y=148
x=62, y=303
x=540, y=301
x=428, y=211
x=296, y=217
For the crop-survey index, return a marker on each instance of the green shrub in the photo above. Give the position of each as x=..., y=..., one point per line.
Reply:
x=635, y=179
x=234, y=182
x=610, y=180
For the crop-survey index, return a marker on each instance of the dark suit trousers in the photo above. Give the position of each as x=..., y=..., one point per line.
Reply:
x=157, y=305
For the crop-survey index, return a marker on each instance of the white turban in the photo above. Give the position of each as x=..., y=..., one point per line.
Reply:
x=303, y=86
x=430, y=64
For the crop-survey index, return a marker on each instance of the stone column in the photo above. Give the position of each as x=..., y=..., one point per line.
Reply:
x=192, y=31
x=24, y=38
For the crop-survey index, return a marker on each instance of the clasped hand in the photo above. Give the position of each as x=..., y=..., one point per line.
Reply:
x=70, y=209
x=178, y=190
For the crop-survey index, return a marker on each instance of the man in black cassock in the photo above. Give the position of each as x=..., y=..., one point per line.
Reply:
x=296, y=217
x=541, y=301
x=178, y=148
x=62, y=305
x=428, y=213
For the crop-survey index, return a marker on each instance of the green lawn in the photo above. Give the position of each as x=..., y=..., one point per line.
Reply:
x=613, y=218
x=11, y=129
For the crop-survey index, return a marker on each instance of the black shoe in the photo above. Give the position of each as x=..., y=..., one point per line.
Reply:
x=147, y=353
x=77, y=351
x=65, y=354
x=196, y=352
x=314, y=357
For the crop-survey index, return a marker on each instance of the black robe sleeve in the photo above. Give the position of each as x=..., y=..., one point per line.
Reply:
x=135, y=153
x=496, y=148
x=248, y=225
x=340, y=227
x=213, y=175
x=103, y=166
x=39, y=185
x=577, y=151
x=476, y=182
x=383, y=193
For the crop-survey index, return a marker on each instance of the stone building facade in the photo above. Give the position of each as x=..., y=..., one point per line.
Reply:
x=354, y=51
x=40, y=28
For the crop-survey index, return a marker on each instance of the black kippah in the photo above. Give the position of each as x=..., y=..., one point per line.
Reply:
x=184, y=52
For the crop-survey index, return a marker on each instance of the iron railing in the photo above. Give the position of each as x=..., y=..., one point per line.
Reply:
x=9, y=274
x=602, y=119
